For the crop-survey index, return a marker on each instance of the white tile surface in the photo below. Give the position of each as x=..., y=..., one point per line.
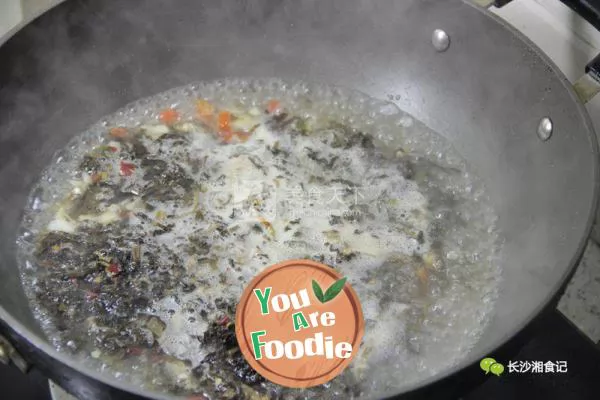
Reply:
x=552, y=30
x=34, y=7
x=10, y=15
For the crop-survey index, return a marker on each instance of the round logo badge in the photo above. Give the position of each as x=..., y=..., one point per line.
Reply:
x=299, y=323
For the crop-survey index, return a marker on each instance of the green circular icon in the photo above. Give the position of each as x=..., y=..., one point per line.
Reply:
x=486, y=363
x=497, y=369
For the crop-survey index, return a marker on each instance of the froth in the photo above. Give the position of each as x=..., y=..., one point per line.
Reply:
x=405, y=338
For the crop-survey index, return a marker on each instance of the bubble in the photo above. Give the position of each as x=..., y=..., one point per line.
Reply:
x=406, y=122
x=389, y=109
x=392, y=129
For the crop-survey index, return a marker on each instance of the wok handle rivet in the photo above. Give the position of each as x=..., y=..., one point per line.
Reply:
x=440, y=40
x=545, y=129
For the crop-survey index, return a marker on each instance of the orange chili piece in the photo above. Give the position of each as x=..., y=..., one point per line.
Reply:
x=224, y=121
x=168, y=116
x=118, y=132
x=273, y=106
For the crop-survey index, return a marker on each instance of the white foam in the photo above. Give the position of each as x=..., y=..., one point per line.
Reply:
x=453, y=311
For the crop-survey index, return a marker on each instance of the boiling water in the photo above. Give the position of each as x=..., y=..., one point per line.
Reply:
x=140, y=281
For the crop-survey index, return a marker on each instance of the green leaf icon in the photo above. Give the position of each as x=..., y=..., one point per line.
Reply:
x=334, y=290
x=317, y=291
x=330, y=293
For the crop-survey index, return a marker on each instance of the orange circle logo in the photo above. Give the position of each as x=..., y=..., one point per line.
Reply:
x=299, y=323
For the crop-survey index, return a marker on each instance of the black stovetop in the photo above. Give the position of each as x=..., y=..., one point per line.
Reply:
x=557, y=340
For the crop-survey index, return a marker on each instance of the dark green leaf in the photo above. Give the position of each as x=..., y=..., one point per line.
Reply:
x=334, y=290
x=318, y=291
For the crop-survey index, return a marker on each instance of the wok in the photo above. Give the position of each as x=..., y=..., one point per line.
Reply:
x=487, y=94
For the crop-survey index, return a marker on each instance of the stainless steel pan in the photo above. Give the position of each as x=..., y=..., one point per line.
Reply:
x=487, y=93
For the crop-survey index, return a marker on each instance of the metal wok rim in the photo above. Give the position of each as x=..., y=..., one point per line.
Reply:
x=63, y=358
